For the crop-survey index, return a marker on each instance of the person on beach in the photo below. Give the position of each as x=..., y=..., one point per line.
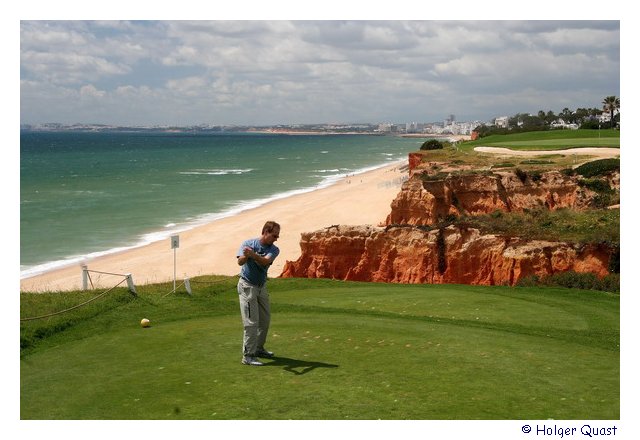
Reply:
x=255, y=256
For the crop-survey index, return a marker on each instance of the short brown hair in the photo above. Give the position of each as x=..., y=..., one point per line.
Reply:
x=270, y=226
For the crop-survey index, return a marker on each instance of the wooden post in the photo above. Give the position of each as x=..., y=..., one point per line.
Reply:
x=132, y=287
x=85, y=277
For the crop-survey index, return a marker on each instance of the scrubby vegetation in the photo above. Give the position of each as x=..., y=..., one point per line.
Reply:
x=573, y=280
x=432, y=144
x=581, y=227
x=594, y=226
x=598, y=167
x=591, y=227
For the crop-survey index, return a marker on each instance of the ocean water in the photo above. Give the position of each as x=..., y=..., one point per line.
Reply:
x=88, y=194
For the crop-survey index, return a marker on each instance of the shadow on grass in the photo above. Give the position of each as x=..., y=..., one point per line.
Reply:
x=297, y=366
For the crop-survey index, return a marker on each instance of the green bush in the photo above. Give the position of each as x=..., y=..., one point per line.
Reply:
x=432, y=144
x=574, y=280
x=596, y=185
x=536, y=162
x=535, y=175
x=605, y=195
x=598, y=167
x=504, y=165
x=614, y=261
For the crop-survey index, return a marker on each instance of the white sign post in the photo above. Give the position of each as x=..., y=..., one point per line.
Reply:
x=175, y=244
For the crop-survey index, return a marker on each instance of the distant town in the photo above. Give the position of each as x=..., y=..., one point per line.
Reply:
x=445, y=128
x=567, y=119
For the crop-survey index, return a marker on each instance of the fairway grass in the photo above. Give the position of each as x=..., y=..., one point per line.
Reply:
x=549, y=140
x=553, y=144
x=344, y=351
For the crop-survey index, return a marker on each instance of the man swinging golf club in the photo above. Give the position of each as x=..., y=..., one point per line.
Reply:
x=255, y=256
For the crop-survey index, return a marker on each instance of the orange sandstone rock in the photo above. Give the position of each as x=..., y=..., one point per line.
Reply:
x=408, y=250
x=449, y=255
x=424, y=201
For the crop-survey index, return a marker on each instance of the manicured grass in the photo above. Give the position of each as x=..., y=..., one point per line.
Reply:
x=550, y=140
x=344, y=351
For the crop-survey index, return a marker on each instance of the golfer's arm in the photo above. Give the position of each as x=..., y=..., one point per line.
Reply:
x=262, y=261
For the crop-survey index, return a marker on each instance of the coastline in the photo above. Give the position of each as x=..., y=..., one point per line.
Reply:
x=363, y=198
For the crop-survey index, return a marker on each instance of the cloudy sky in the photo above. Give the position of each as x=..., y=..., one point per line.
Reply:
x=262, y=72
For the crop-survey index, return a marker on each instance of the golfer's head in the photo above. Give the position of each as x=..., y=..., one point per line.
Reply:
x=270, y=232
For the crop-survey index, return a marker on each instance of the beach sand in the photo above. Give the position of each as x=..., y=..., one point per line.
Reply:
x=210, y=249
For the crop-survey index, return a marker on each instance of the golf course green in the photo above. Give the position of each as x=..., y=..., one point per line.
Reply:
x=343, y=351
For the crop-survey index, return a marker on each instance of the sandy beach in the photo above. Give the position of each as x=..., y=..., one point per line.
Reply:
x=210, y=249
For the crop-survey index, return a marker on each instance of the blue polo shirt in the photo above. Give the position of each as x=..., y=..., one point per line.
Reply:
x=252, y=271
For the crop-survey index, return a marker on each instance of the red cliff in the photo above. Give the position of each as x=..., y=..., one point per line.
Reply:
x=450, y=255
x=425, y=199
x=410, y=250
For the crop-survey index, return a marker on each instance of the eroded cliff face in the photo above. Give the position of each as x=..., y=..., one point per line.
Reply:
x=424, y=200
x=448, y=255
x=410, y=250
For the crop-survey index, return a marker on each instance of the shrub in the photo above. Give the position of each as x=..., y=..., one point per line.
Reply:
x=610, y=283
x=614, y=260
x=504, y=165
x=574, y=280
x=535, y=175
x=596, y=185
x=605, y=195
x=432, y=144
x=598, y=167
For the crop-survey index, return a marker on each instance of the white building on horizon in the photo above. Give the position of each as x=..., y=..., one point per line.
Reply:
x=502, y=122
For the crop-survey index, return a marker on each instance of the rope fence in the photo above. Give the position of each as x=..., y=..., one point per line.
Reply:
x=187, y=284
x=86, y=278
x=86, y=281
x=74, y=307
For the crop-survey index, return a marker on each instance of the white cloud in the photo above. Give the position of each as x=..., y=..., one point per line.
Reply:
x=282, y=71
x=90, y=92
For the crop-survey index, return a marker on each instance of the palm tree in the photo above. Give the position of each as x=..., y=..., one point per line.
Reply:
x=611, y=104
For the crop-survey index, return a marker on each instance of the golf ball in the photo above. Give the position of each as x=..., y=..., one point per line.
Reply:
x=145, y=322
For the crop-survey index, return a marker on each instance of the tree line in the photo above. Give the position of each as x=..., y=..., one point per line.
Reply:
x=585, y=118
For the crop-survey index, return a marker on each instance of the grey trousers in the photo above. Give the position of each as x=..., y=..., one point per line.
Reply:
x=256, y=316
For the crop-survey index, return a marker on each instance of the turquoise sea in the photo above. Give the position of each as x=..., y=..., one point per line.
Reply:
x=87, y=194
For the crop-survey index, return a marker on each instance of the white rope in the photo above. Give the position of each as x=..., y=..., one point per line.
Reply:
x=173, y=291
x=74, y=307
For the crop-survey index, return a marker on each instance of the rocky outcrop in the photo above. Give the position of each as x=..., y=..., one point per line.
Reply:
x=448, y=255
x=410, y=249
x=415, y=161
x=424, y=200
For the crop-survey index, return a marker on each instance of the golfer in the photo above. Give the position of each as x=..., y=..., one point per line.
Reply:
x=255, y=256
